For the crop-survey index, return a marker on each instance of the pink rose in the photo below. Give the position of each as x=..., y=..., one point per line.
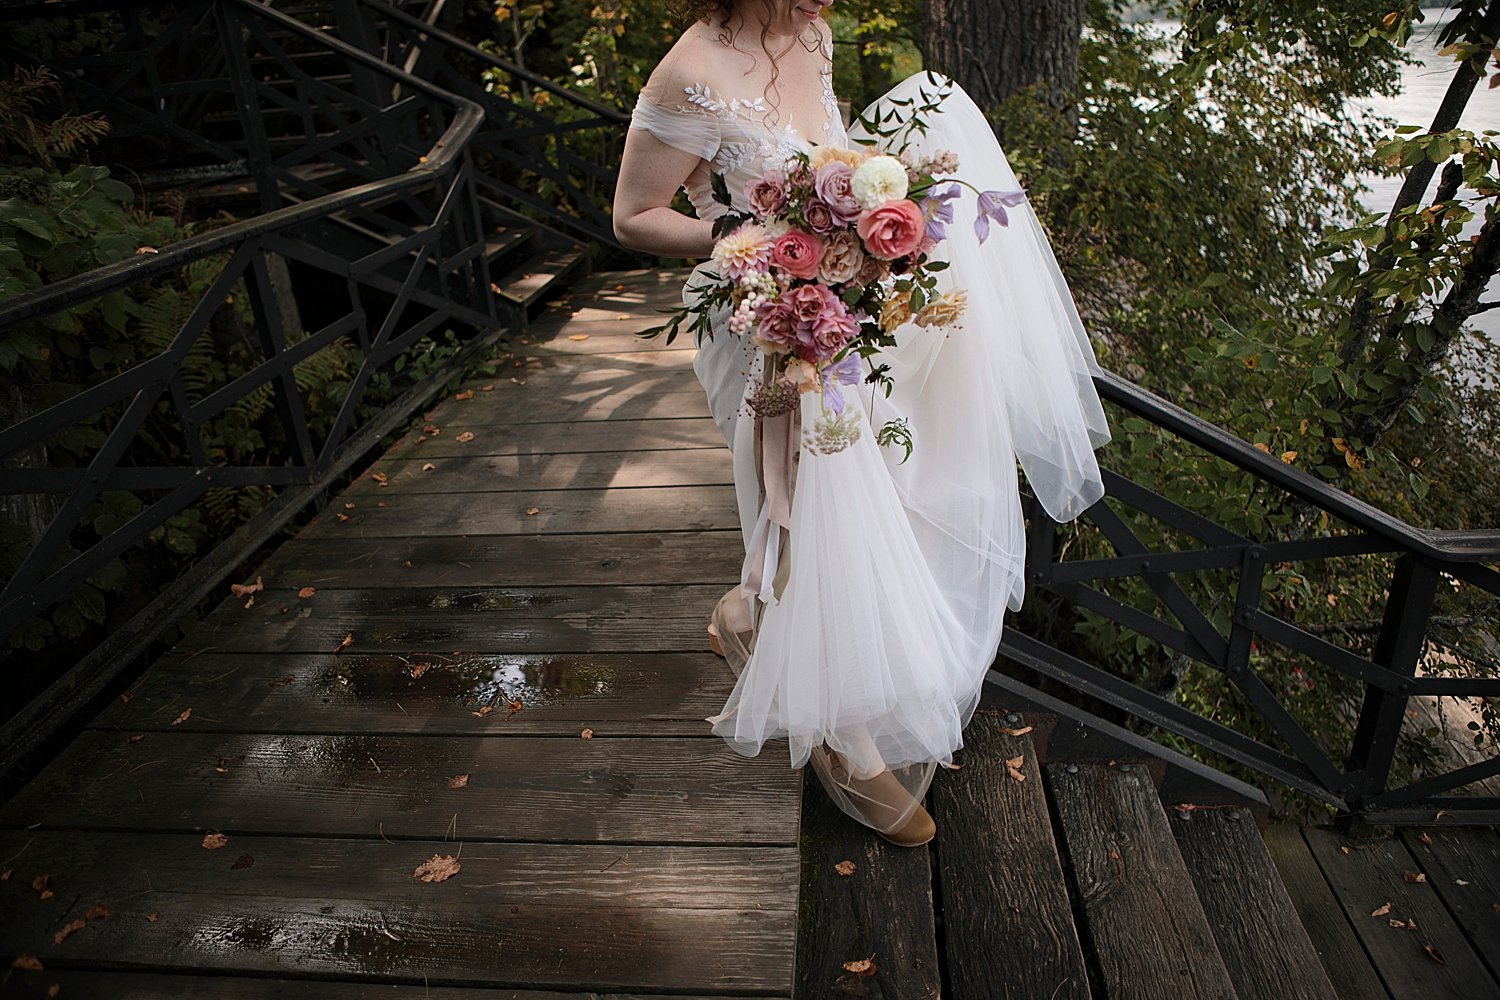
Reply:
x=819, y=217
x=776, y=327
x=823, y=323
x=891, y=230
x=832, y=185
x=799, y=254
x=767, y=196
x=833, y=329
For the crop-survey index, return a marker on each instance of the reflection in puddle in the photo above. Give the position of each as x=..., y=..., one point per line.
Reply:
x=492, y=679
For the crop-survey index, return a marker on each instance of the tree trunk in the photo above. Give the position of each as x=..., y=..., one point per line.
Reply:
x=994, y=48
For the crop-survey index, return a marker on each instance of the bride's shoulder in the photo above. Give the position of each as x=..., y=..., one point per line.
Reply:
x=690, y=62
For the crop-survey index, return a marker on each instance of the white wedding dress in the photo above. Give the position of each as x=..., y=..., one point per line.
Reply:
x=874, y=592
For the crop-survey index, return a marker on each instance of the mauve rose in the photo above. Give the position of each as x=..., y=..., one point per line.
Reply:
x=832, y=186
x=798, y=253
x=833, y=329
x=777, y=327
x=820, y=217
x=842, y=260
x=807, y=302
x=891, y=230
x=767, y=196
x=872, y=270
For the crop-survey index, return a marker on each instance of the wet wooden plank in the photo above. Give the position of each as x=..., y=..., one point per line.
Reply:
x=562, y=789
x=1326, y=923
x=884, y=909
x=118, y=985
x=531, y=512
x=589, y=470
x=567, y=402
x=659, y=694
x=1006, y=915
x=521, y=560
x=1463, y=865
x=1372, y=874
x=1148, y=933
x=1267, y=952
x=563, y=437
x=437, y=620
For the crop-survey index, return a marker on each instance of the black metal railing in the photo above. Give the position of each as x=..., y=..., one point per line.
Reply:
x=394, y=252
x=1357, y=781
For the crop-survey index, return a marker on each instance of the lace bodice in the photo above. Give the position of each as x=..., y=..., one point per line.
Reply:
x=686, y=105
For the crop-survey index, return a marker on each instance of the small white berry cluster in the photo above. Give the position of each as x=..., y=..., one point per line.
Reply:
x=757, y=288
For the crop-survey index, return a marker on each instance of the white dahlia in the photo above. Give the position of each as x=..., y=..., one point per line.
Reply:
x=878, y=180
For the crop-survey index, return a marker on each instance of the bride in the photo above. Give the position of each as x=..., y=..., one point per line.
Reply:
x=875, y=582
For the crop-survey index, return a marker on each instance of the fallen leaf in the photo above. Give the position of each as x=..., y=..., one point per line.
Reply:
x=1414, y=876
x=863, y=966
x=242, y=589
x=418, y=669
x=483, y=711
x=1396, y=923
x=517, y=381
x=437, y=868
x=1008, y=731
x=307, y=591
x=431, y=429
x=1381, y=911
x=1423, y=836
x=465, y=437
x=243, y=861
x=1016, y=761
x=125, y=697
x=487, y=388
x=144, y=249
x=349, y=505
x=340, y=518
x=844, y=867
x=222, y=766
x=96, y=912
x=587, y=734
x=1434, y=954
x=1114, y=855
x=428, y=466
x=54, y=989
x=533, y=510
x=1013, y=767
x=153, y=917
x=137, y=737
x=183, y=717
x=466, y=394
x=28, y=962
x=5, y=875
x=514, y=706
x=213, y=840
x=1459, y=881
x=347, y=640
x=1440, y=814
x=578, y=336
x=381, y=478
x=39, y=886
x=458, y=781
x=68, y=928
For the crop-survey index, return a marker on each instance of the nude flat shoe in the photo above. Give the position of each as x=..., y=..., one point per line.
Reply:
x=883, y=788
x=713, y=642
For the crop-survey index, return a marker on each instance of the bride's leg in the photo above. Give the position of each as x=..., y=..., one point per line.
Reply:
x=880, y=800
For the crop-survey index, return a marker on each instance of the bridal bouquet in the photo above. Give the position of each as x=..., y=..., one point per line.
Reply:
x=831, y=260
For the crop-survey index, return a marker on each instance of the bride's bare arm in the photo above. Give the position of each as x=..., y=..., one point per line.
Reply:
x=651, y=171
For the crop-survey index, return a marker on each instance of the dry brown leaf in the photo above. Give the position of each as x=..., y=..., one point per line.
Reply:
x=1424, y=836
x=458, y=780
x=153, y=917
x=222, y=766
x=27, y=962
x=5, y=875
x=1381, y=911
x=1008, y=731
x=349, y=505
x=341, y=517
x=213, y=840
x=418, y=669
x=578, y=336
x=466, y=394
x=587, y=734
x=381, y=478
x=483, y=711
x=1394, y=922
x=1434, y=954
x=844, y=867
x=1414, y=876
x=533, y=510
x=1459, y=881
x=465, y=437
x=487, y=388
x=428, y=466
x=437, y=868
x=39, y=884
x=307, y=591
x=96, y=912
x=243, y=589
x=863, y=966
x=1016, y=761
x=1441, y=813
x=517, y=381
x=1015, y=773
x=183, y=717
x=54, y=989
x=68, y=928
x=125, y=697
x=347, y=640
x=514, y=706
x=136, y=737
x=431, y=429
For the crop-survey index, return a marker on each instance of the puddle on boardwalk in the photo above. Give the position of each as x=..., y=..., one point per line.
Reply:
x=479, y=679
x=497, y=600
x=358, y=940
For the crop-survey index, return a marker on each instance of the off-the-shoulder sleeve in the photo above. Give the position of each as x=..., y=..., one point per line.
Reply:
x=691, y=131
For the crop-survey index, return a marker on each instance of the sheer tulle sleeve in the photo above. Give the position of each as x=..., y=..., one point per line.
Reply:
x=691, y=131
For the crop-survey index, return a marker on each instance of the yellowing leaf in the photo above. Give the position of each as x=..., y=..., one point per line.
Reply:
x=1381, y=911
x=465, y=437
x=578, y=336
x=845, y=868
x=437, y=868
x=213, y=840
x=587, y=734
x=458, y=781
x=183, y=717
x=307, y=592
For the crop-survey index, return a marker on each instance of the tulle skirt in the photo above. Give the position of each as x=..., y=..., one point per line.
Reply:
x=862, y=632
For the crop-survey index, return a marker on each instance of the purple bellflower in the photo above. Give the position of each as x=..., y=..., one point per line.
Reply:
x=937, y=212
x=844, y=371
x=992, y=205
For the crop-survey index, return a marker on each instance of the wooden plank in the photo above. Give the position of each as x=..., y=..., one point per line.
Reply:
x=562, y=789
x=1148, y=933
x=563, y=437
x=1007, y=923
x=589, y=470
x=616, y=334
x=468, y=620
x=564, y=402
x=1262, y=942
x=1326, y=923
x=884, y=909
x=533, y=512
x=660, y=694
x=120, y=985
x=520, y=560
x=1463, y=865
x=1370, y=875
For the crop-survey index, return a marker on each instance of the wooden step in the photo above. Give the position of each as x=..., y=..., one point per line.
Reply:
x=528, y=287
x=1147, y=932
x=1267, y=952
x=1008, y=926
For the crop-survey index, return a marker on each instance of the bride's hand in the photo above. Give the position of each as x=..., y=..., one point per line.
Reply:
x=651, y=171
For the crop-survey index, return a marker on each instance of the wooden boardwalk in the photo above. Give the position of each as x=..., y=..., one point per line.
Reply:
x=490, y=647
